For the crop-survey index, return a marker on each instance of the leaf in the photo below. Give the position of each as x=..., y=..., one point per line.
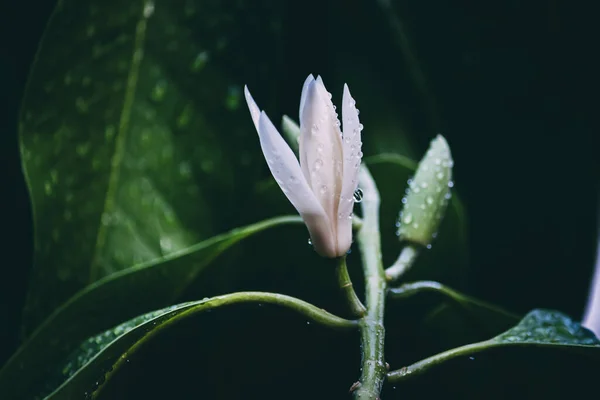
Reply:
x=99, y=358
x=132, y=135
x=550, y=328
x=113, y=299
x=447, y=261
x=538, y=329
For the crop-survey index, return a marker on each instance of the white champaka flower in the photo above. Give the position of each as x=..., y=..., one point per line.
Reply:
x=321, y=186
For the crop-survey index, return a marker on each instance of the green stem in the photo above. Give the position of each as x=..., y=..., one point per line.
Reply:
x=430, y=362
x=308, y=310
x=371, y=326
x=356, y=306
x=463, y=300
x=405, y=260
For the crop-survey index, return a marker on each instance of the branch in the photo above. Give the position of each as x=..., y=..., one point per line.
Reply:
x=371, y=326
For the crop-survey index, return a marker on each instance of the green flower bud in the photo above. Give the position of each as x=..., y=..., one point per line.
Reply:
x=427, y=195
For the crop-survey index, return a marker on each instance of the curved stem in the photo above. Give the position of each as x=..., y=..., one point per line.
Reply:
x=461, y=299
x=356, y=306
x=372, y=330
x=405, y=260
x=308, y=310
x=430, y=362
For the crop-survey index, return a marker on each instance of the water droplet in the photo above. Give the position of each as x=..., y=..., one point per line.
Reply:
x=404, y=200
x=159, y=91
x=429, y=200
x=309, y=242
x=440, y=176
x=185, y=169
x=424, y=185
x=48, y=188
x=293, y=179
x=166, y=244
x=81, y=105
x=318, y=164
x=428, y=246
x=323, y=189
x=358, y=195
x=407, y=219
x=83, y=148
x=437, y=161
x=360, y=127
x=200, y=61
x=450, y=184
x=320, y=147
x=148, y=9
x=416, y=225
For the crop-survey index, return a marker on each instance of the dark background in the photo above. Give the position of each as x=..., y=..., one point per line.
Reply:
x=511, y=85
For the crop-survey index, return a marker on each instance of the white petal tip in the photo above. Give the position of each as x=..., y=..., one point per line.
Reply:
x=252, y=106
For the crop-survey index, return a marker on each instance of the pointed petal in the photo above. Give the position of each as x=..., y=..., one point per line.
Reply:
x=321, y=147
x=286, y=171
x=307, y=82
x=351, y=145
x=254, y=110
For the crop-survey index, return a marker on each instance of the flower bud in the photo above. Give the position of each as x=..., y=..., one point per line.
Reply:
x=427, y=195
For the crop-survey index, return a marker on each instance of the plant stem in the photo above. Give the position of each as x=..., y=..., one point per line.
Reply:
x=422, y=366
x=356, y=306
x=405, y=260
x=371, y=325
x=460, y=299
x=187, y=310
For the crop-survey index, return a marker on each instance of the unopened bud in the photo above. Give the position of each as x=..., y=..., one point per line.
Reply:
x=427, y=195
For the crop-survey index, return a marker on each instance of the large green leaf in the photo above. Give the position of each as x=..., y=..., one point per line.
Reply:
x=538, y=329
x=113, y=299
x=447, y=260
x=99, y=358
x=132, y=135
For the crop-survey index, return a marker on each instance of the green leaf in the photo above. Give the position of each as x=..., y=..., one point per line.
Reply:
x=99, y=358
x=447, y=260
x=113, y=299
x=538, y=329
x=132, y=134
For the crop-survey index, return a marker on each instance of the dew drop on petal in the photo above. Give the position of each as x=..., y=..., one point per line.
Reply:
x=318, y=164
x=358, y=195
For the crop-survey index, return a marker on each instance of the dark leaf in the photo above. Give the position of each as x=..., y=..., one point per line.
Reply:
x=547, y=329
x=99, y=358
x=133, y=132
x=115, y=298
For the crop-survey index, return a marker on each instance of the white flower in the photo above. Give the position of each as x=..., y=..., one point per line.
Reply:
x=321, y=187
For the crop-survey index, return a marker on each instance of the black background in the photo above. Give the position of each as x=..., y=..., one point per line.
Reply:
x=515, y=94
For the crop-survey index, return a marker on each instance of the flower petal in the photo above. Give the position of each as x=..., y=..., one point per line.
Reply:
x=351, y=145
x=321, y=147
x=254, y=110
x=286, y=171
x=307, y=82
